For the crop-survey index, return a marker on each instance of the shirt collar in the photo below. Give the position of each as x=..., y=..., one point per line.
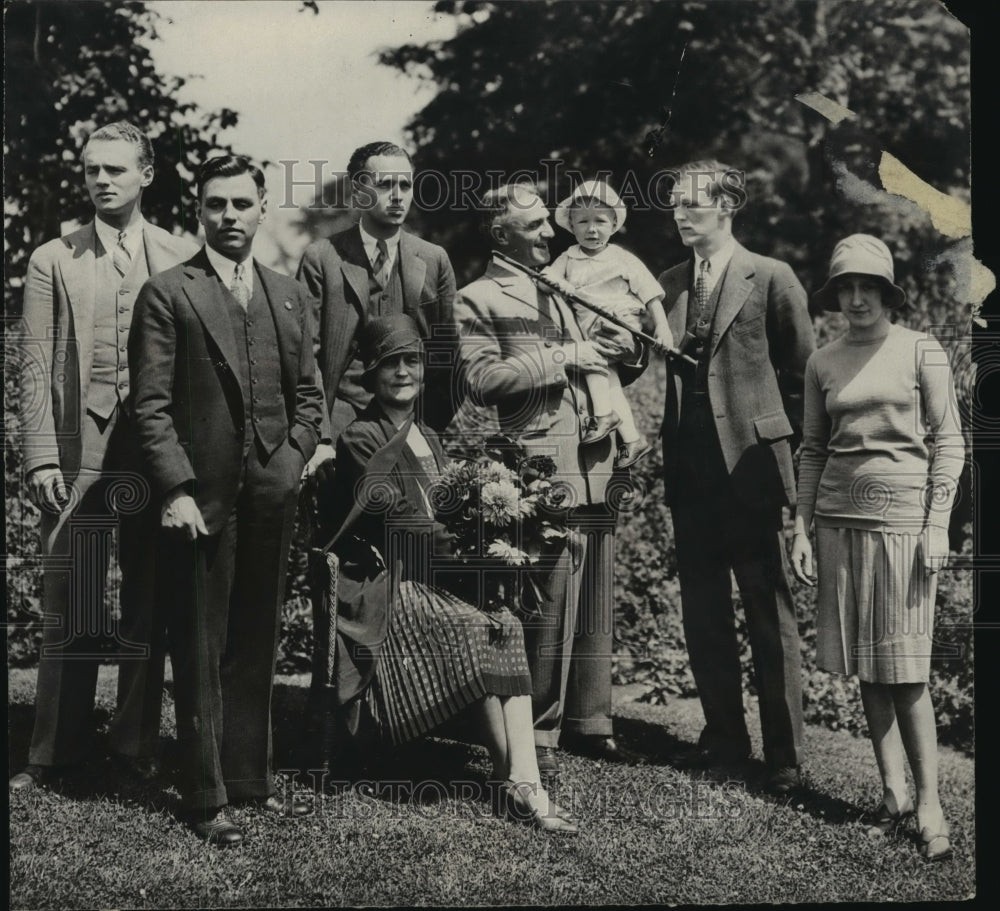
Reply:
x=577, y=252
x=718, y=260
x=108, y=236
x=371, y=244
x=225, y=268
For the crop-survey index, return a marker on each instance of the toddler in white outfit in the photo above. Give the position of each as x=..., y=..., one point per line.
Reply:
x=617, y=282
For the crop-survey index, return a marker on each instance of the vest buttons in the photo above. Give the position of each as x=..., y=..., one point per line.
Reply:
x=123, y=309
x=123, y=291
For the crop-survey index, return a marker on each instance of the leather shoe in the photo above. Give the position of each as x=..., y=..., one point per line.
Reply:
x=33, y=776
x=784, y=780
x=548, y=761
x=145, y=768
x=702, y=758
x=287, y=806
x=600, y=427
x=605, y=748
x=219, y=830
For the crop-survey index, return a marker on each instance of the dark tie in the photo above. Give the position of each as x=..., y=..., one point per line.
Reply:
x=380, y=267
x=701, y=297
x=120, y=256
x=238, y=288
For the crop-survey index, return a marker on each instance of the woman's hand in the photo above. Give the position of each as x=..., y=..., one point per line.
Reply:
x=802, y=558
x=934, y=547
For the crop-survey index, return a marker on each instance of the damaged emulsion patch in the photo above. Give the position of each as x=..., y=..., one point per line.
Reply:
x=950, y=216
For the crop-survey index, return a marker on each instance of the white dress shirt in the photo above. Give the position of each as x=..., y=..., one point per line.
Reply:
x=108, y=235
x=717, y=263
x=371, y=247
x=225, y=268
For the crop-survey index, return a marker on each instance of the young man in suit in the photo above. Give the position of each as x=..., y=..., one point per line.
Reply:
x=522, y=351
x=728, y=433
x=227, y=414
x=82, y=464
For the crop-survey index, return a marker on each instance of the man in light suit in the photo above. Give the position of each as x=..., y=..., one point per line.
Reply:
x=227, y=413
x=728, y=433
x=82, y=463
x=373, y=269
x=522, y=351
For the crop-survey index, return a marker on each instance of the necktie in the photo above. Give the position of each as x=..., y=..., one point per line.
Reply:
x=120, y=256
x=701, y=296
x=380, y=267
x=238, y=288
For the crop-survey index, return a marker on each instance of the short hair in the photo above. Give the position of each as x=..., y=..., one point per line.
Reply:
x=229, y=165
x=732, y=197
x=358, y=163
x=497, y=203
x=123, y=131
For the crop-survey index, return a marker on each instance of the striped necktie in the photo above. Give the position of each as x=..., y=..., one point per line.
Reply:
x=380, y=268
x=701, y=297
x=121, y=257
x=238, y=288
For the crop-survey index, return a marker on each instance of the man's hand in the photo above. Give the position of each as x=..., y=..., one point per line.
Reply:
x=586, y=357
x=180, y=511
x=934, y=547
x=612, y=343
x=47, y=489
x=802, y=559
x=324, y=453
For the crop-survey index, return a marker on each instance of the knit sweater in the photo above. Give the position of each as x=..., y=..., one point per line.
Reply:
x=882, y=447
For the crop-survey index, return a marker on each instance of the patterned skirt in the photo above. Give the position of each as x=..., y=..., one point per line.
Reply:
x=440, y=656
x=875, y=606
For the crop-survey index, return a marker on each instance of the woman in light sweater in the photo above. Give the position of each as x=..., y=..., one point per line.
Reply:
x=881, y=454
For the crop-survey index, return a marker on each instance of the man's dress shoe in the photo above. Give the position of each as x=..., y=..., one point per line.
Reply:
x=33, y=776
x=784, y=780
x=605, y=748
x=287, y=806
x=219, y=830
x=144, y=768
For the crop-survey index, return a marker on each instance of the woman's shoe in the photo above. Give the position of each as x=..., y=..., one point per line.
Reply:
x=935, y=845
x=515, y=806
x=886, y=821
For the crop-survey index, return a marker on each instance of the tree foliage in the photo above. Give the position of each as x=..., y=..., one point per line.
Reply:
x=634, y=88
x=70, y=68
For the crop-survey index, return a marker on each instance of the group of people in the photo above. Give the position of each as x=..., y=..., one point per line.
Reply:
x=214, y=386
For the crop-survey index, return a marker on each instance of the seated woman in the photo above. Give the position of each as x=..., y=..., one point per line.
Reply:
x=410, y=654
x=881, y=455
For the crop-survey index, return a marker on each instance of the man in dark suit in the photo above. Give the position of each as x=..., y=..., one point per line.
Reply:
x=227, y=414
x=83, y=467
x=374, y=269
x=728, y=432
x=522, y=351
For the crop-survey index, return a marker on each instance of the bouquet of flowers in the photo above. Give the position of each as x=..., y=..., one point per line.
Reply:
x=505, y=509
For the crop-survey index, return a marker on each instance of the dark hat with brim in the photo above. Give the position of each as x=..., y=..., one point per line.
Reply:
x=385, y=336
x=861, y=254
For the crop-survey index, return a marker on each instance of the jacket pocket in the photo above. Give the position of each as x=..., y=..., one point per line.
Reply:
x=772, y=426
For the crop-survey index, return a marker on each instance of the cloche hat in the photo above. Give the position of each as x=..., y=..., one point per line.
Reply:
x=385, y=336
x=860, y=254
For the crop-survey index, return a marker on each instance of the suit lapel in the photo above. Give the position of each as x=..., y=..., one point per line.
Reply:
x=736, y=289
x=159, y=257
x=413, y=270
x=353, y=264
x=204, y=290
x=281, y=310
x=79, y=275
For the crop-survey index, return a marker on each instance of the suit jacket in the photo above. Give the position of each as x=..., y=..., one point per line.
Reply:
x=762, y=337
x=336, y=273
x=511, y=358
x=58, y=340
x=187, y=395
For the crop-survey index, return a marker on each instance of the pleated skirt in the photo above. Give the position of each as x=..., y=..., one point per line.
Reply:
x=440, y=656
x=875, y=606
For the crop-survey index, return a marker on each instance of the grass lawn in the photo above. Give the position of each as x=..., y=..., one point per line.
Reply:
x=650, y=834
